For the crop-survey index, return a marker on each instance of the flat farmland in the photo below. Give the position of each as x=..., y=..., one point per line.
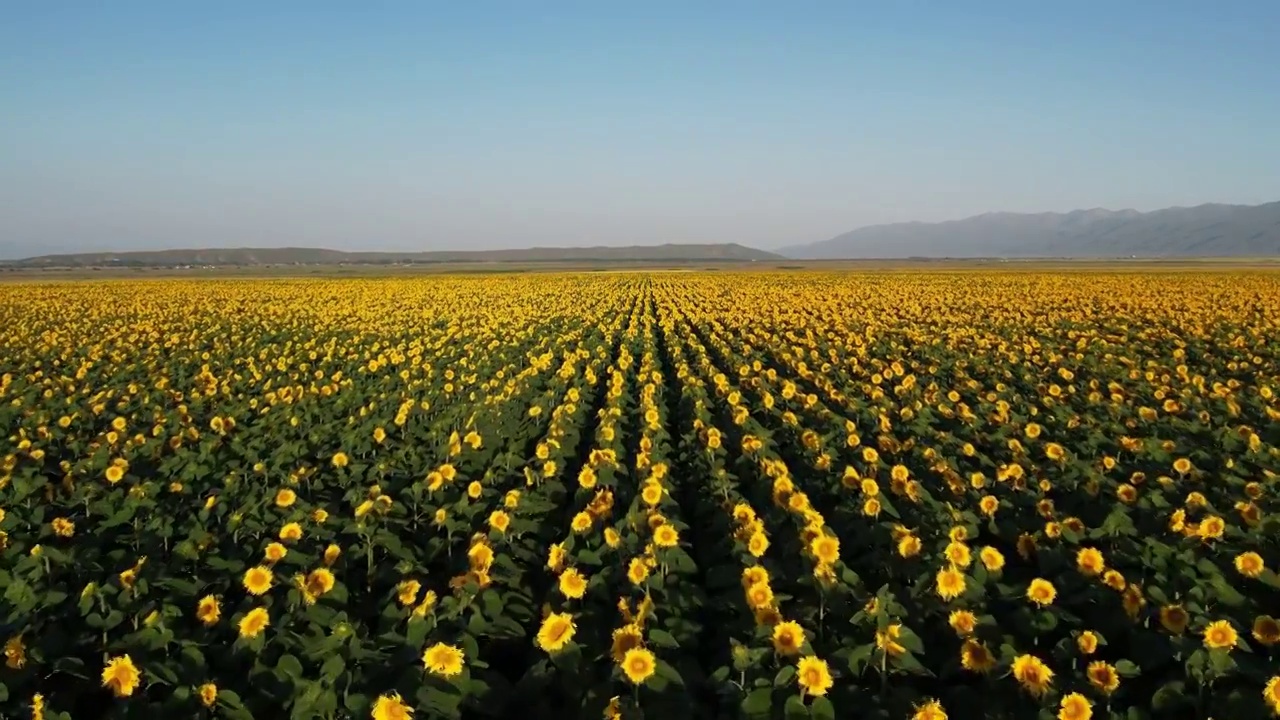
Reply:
x=963, y=493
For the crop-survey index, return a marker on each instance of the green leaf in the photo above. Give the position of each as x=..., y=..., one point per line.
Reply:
x=795, y=708
x=758, y=703
x=784, y=676
x=1126, y=668
x=662, y=639
x=290, y=667
x=859, y=657
x=822, y=709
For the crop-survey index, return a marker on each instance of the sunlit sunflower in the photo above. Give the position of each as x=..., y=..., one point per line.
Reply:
x=963, y=622
x=638, y=664
x=258, y=580
x=1220, y=635
x=1075, y=706
x=391, y=707
x=1031, y=672
x=443, y=660
x=950, y=583
x=1041, y=592
x=572, y=584
x=121, y=676
x=1249, y=564
x=1103, y=676
x=556, y=631
x=253, y=623
x=208, y=610
x=813, y=675
x=929, y=710
x=787, y=638
x=1090, y=561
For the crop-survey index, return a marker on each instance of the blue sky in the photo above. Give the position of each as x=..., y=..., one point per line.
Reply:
x=431, y=125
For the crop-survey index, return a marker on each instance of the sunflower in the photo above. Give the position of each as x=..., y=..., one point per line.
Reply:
x=443, y=660
x=665, y=536
x=963, y=622
x=258, y=579
x=975, y=657
x=950, y=583
x=121, y=676
x=826, y=548
x=475, y=489
x=1182, y=466
x=340, y=460
x=318, y=582
x=1220, y=635
x=1087, y=642
x=1041, y=592
x=407, y=592
x=1114, y=580
x=1103, y=676
x=787, y=638
x=1266, y=630
x=208, y=610
x=556, y=557
x=988, y=505
x=638, y=664
x=753, y=575
x=291, y=532
x=909, y=546
x=499, y=521
x=958, y=554
x=208, y=694
x=759, y=596
x=1271, y=694
x=651, y=494
x=625, y=638
x=637, y=570
x=1174, y=618
x=391, y=707
x=1031, y=672
x=580, y=523
x=1249, y=564
x=15, y=653
x=1075, y=706
x=887, y=640
x=556, y=631
x=992, y=559
x=758, y=543
x=286, y=497
x=572, y=584
x=813, y=675
x=331, y=555
x=929, y=710
x=275, y=552
x=1090, y=561
x=253, y=623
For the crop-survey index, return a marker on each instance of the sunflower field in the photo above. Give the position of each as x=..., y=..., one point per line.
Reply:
x=642, y=495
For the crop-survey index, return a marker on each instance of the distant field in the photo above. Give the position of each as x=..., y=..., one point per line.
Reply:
x=909, y=265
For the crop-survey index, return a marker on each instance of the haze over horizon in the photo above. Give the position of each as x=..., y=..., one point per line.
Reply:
x=147, y=125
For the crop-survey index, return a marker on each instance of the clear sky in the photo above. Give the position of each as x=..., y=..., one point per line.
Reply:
x=433, y=125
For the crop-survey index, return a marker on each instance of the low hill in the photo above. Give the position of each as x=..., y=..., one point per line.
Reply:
x=1201, y=231
x=670, y=253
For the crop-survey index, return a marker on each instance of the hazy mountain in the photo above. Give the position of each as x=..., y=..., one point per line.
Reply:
x=1201, y=231
x=317, y=256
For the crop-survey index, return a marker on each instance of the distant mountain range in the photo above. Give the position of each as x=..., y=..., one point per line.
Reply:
x=1201, y=231
x=728, y=252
